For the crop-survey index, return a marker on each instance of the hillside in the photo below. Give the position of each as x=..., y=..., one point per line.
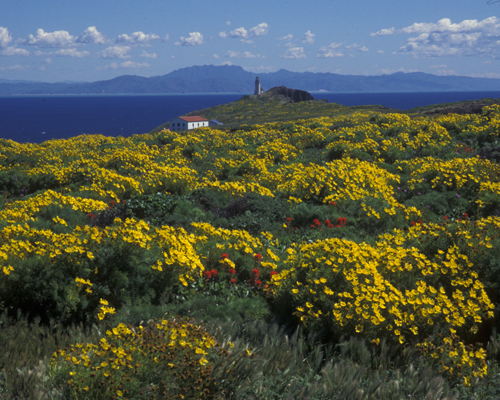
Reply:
x=251, y=109
x=327, y=253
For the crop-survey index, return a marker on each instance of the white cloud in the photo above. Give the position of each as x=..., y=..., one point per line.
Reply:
x=493, y=75
x=148, y=55
x=240, y=32
x=446, y=72
x=245, y=54
x=137, y=38
x=329, y=51
x=223, y=35
x=215, y=56
x=488, y=25
x=71, y=53
x=262, y=68
x=91, y=35
x=5, y=37
x=352, y=46
x=360, y=47
x=195, y=38
x=13, y=51
x=402, y=69
x=50, y=39
x=131, y=64
x=115, y=52
x=227, y=63
x=308, y=37
x=125, y=64
x=286, y=37
x=48, y=61
x=444, y=38
x=165, y=38
x=380, y=51
x=383, y=32
x=228, y=23
x=259, y=30
x=16, y=67
x=294, y=52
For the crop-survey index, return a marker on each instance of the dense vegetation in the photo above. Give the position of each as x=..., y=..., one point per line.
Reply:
x=350, y=255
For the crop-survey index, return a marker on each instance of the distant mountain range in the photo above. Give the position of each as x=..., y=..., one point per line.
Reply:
x=224, y=79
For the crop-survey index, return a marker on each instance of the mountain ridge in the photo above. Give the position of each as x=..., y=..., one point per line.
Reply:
x=234, y=79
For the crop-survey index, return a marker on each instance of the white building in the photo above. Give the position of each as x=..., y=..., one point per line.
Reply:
x=187, y=123
x=258, y=88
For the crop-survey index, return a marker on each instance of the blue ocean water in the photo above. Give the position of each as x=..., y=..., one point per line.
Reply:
x=39, y=118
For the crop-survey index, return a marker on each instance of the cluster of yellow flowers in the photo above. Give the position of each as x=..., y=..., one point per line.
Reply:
x=127, y=353
x=392, y=288
x=389, y=288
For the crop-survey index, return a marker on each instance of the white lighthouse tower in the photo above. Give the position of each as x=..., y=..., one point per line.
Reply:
x=258, y=88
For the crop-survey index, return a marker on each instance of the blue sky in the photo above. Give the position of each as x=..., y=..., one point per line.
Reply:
x=61, y=40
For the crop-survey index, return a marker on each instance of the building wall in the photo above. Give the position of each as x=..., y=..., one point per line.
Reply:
x=194, y=125
x=179, y=124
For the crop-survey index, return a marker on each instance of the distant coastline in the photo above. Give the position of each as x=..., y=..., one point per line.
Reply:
x=209, y=79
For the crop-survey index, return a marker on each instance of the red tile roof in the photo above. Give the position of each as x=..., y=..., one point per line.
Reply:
x=193, y=119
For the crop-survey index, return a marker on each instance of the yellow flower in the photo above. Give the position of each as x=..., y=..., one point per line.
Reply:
x=203, y=361
x=7, y=270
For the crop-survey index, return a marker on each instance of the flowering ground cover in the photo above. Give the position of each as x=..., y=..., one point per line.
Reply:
x=370, y=241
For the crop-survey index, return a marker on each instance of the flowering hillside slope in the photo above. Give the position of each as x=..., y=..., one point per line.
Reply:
x=381, y=227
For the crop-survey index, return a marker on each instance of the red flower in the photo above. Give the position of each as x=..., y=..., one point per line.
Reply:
x=257, y=257
x=445, y=217
x=412, y=223
x=91, y=216
x=255, y=273
x=332, y=203
x=316, y=222
x=207, y=274
x=419, y=222
x=466, y=216
x=289, y=220
x=112, y=203
x=341, y=221
x=223, y=256
x=258, y=283
x=232, y=271
x=273, y=273
x=214, y=273
x=327, y=222
x=233, y=280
